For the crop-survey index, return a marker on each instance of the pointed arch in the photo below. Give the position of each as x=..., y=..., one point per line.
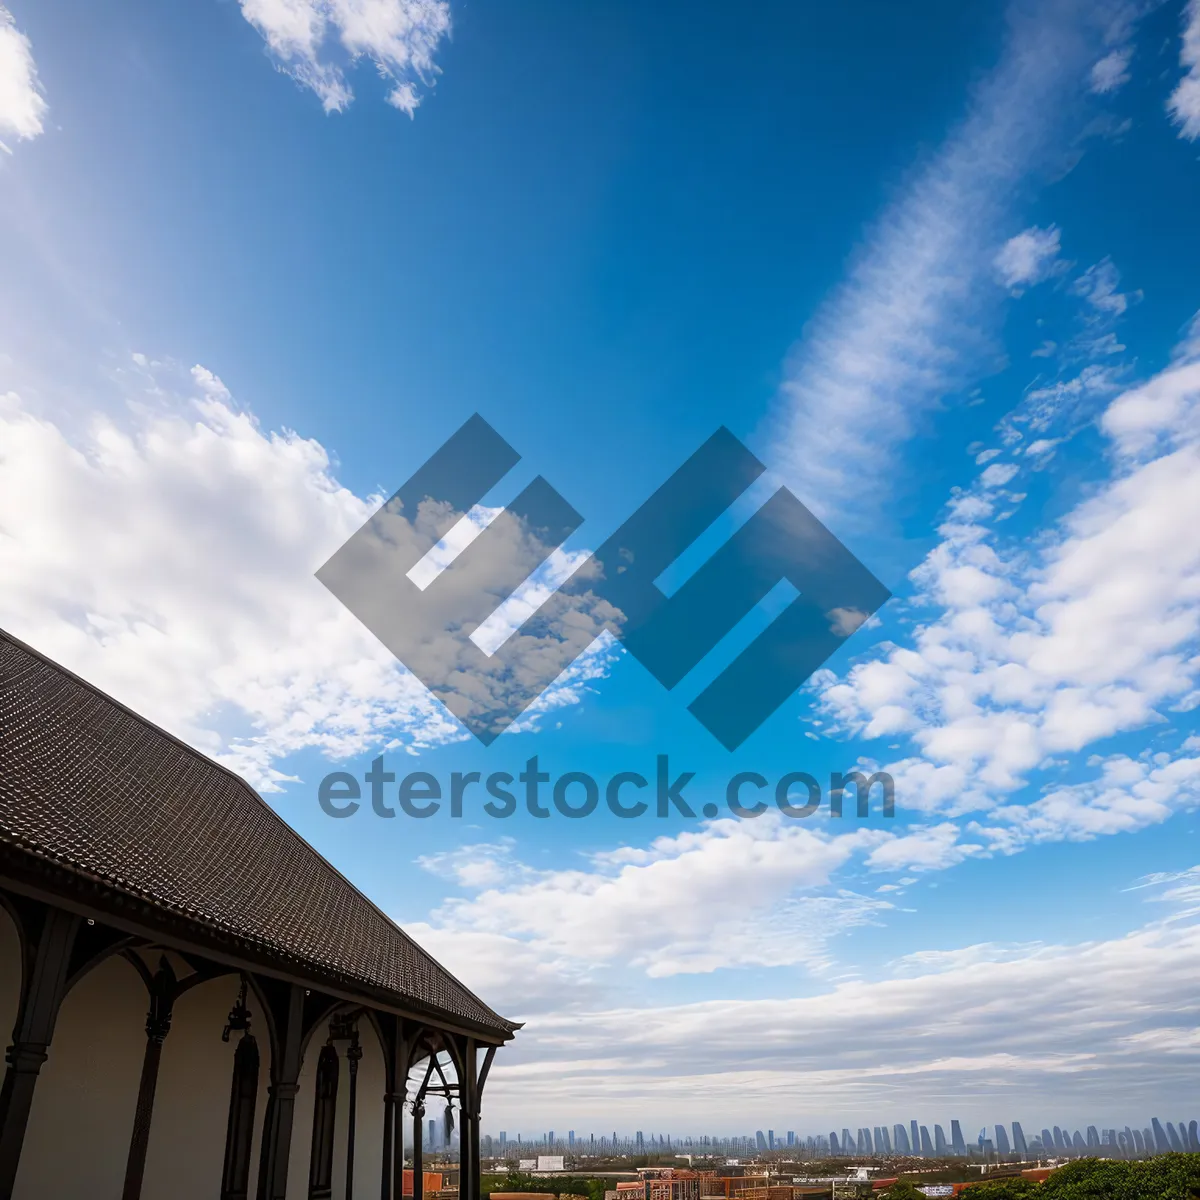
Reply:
x=320, y=1167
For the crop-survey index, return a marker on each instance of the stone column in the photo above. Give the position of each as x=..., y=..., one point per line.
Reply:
x=281, y=1102
x=418, y=1192
x=41, y=997
x=353, y=1054
x=158, y=1025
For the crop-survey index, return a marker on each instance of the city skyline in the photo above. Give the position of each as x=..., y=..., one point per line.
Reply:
x=1153, y=1136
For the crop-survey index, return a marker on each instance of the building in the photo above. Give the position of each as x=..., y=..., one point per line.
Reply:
x=1019, y=1140
x=668, y=1183
x=957, y=1144
x=1002, y=1146
x=200, y=1005
x=940, y=1149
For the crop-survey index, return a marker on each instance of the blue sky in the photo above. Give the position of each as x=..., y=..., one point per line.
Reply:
x=936, y=264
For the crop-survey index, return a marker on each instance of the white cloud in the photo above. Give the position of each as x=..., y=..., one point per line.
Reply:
x=168, y=556
x=1112, y=71
x=1184, y=104
x=909, y=327
x=1063, y=1031
x=22, y=104
x=399, y=36
x=1047, y=649
x=1098, y=286
x=1029, y=257
x=665, y=909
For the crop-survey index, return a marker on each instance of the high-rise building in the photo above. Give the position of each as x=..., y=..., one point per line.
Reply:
x=939, y=1142
x=433, y=1142
x=1093, y=1138
x=1060, y=1142
x=1048, y=1142
x=503, y=1139
x=1160, y=1138
x=1173, y=1139
x=639, y=1140
x=1002, y=1146
x=926, y=1145
x=956, y=1140
x=887, y=1141
x=877, y=1140
x=915, y=1136
x=760, y=1140
x=834, y=1148
x=900, y=1137
x=1019, y=1139
x=847, y=1142
x=1077, y=1143
x=1194, y=1137
x=791, y=1137
x=770, y=1139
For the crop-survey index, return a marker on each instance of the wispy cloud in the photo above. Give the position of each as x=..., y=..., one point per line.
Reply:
x=307, y=37
x=908, y=327
x=1184, y=104
x=22, y=103
x=1029, y=257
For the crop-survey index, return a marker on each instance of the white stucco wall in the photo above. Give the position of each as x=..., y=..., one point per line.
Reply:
x=77, y=1139
x=191, y=1104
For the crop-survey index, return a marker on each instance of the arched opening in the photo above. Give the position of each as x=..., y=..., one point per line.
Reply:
x=320, y=1168
x=87, y=1091
x=243, y=1102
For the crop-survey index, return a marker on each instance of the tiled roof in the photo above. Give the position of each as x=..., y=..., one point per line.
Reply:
x=87, y=784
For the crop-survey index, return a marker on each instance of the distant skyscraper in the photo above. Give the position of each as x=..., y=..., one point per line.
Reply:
x=770, y=1139
x=760, y=1140
x=926, y=1145
x=887, y=1141
x=939, y=1141
x=1059, y=1142
x=864, y=1141
x=900, y=1137
x=1019, y=1139
x=1093, y=1138
x=1135, y=1140
x=1194, y=1137
x=834, y=1148
x=1002, y=1146
x=956, y=1139
x=1077, y=1143
x=791, y=1137
x=915, y=1137
x=847, y=1142
x=1160, y=1138
x=877, y=1139
x=432, y=1134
